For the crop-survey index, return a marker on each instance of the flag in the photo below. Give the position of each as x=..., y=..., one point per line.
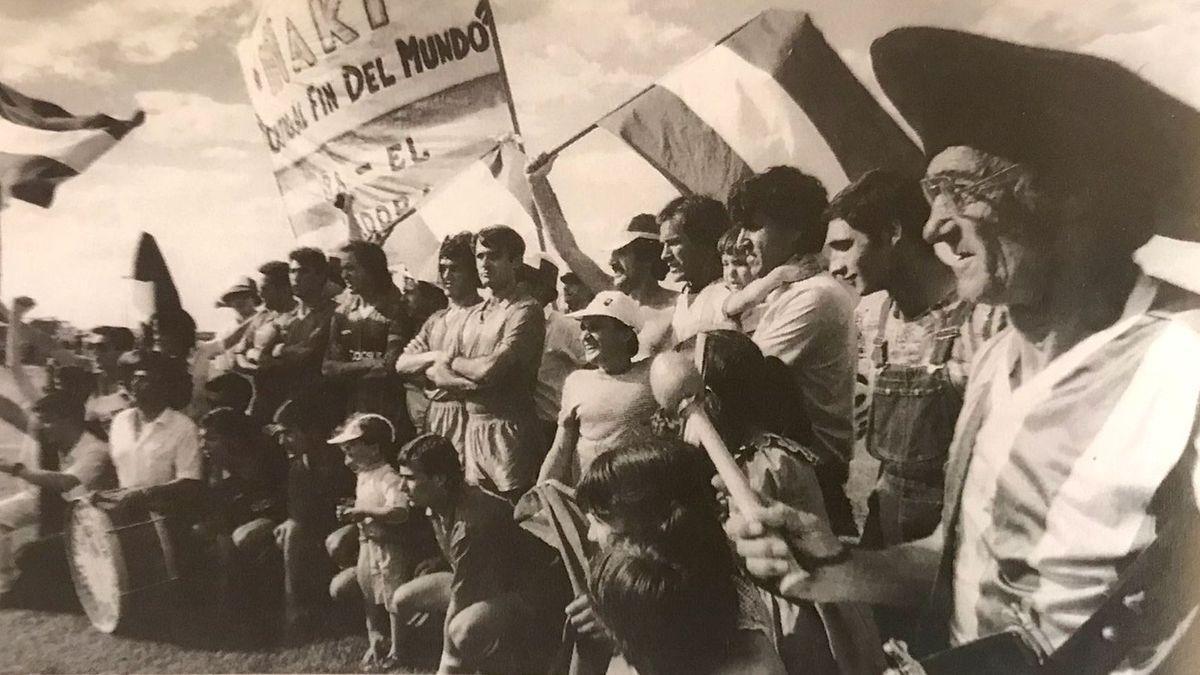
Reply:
x=772, y=92
x=154, y=290
x=492, y=190
x=384, y=101
x=41, y=144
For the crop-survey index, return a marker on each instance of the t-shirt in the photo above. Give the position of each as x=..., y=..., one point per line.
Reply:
x=700, y=312
x=609, y=408
x=376, y=329
x=809, y=325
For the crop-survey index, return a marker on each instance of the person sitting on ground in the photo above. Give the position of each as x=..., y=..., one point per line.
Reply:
x=316, y=483
x=606, y=404
x=381, y=509
x=65, y=463
x=653, y=497
x=246, y=500
x=504, y=597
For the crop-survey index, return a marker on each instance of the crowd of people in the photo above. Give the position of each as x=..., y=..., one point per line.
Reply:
x=489, y=453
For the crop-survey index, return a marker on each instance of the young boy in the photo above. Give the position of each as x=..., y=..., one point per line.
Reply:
x=380, y=507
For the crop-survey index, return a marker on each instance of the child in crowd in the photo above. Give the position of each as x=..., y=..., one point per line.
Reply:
x=605, y=405
x=664, y=587
x=746, y=292
x=380, y=505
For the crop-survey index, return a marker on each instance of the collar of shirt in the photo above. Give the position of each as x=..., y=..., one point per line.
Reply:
x=141, y=424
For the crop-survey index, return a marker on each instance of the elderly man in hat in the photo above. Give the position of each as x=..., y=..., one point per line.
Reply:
x=1072, y=484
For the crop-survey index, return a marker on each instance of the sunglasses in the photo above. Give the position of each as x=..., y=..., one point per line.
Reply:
x=961, y=193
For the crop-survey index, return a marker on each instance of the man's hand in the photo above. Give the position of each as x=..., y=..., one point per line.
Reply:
x=770, y=537
x=538, y=168
x=585, y=622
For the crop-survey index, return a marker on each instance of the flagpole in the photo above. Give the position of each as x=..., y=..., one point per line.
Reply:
x=596, y=125
x=512, y=111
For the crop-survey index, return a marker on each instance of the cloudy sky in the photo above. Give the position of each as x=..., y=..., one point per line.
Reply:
x=197, y=175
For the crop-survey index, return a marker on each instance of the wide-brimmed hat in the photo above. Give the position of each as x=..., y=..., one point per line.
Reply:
x=1081, y=121
x=243, y=285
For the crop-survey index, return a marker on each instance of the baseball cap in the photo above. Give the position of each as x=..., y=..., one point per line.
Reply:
x=641, y=226
x=616, y=305
x=370, y=427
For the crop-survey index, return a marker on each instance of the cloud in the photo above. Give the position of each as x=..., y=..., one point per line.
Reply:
x=88, y=41
x=176, y=119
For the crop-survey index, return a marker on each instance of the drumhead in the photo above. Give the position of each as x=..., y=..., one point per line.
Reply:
x=97, y=567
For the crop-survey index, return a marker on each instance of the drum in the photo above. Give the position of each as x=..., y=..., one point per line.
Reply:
x=121, y=561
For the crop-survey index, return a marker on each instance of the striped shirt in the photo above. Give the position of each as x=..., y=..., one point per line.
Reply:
x=1061, y=471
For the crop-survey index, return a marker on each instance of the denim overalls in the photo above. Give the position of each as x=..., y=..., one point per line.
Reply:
x=911, y=423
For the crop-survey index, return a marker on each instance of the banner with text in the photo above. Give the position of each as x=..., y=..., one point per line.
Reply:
x=383, y=99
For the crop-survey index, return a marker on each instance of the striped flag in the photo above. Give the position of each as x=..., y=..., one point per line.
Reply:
x=41, y=144
x=772, y=92
x=492, y=190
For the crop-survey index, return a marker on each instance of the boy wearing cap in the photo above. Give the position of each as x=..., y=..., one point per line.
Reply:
x=602, y=406
x=386, y=550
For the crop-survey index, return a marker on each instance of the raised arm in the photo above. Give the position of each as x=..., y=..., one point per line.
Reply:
x=555, y=226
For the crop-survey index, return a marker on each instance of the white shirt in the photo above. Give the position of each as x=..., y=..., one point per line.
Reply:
x=809, y=325
x=704, y=311
x=154, y=452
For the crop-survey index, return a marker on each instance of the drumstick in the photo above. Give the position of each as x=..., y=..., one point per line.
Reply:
x=677, y=383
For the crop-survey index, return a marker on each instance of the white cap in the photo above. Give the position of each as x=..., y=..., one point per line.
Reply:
x=616, y=305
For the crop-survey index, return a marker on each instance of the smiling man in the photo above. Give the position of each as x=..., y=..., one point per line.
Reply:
x=917, y=339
